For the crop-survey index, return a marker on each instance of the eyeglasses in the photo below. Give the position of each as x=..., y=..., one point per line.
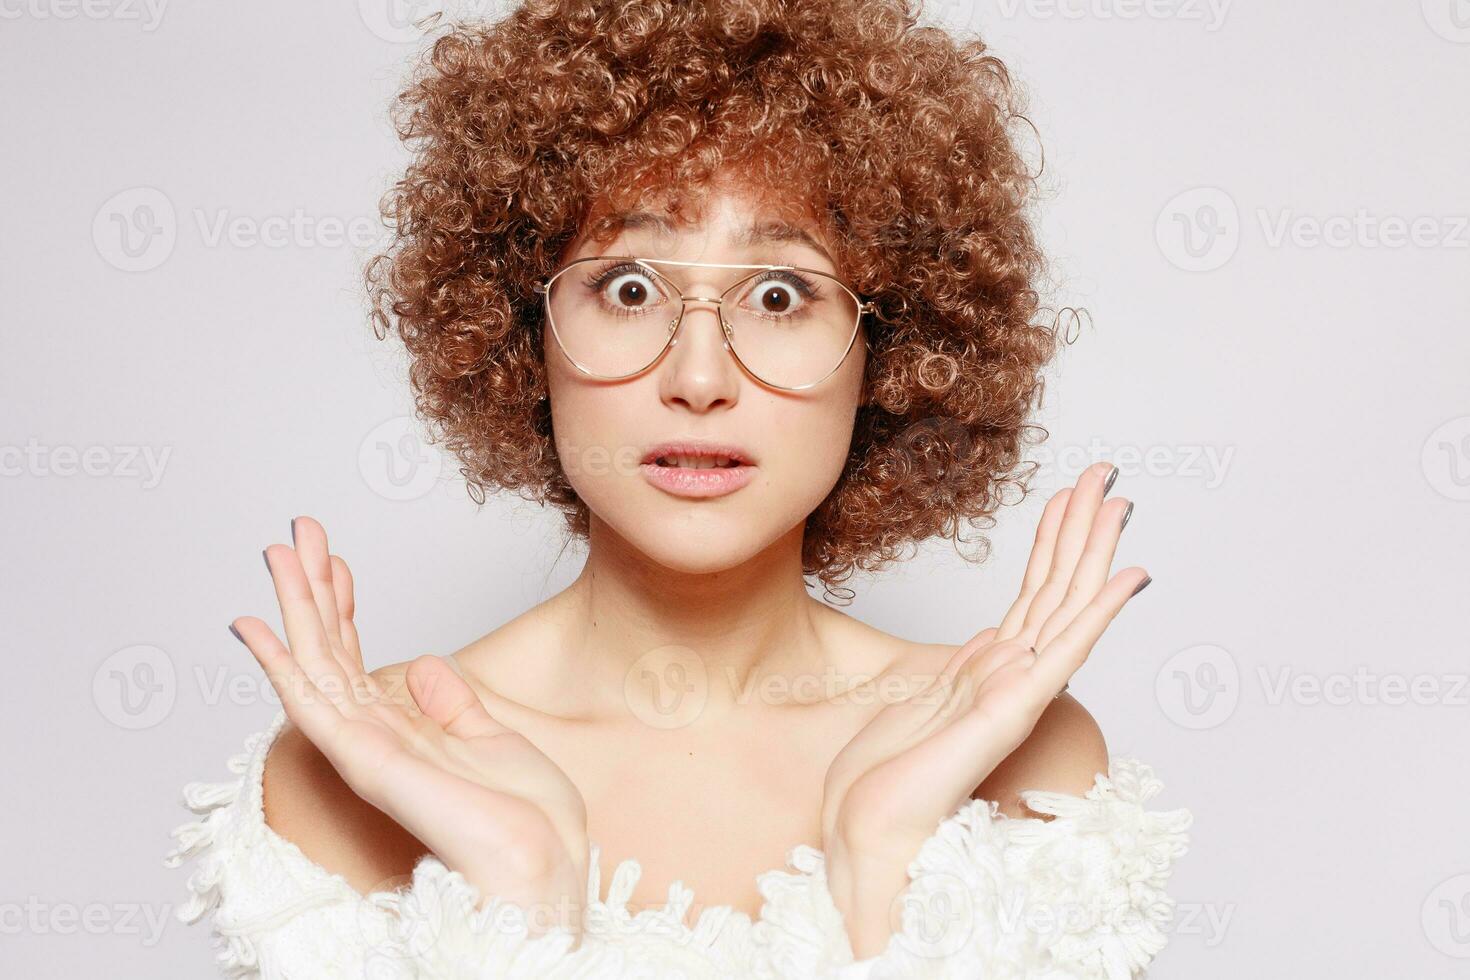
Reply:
x=789, y=327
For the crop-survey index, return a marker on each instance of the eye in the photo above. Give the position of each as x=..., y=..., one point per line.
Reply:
x=780, y=292
x=625, y=288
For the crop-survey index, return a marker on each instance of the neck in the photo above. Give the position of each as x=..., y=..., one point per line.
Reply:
x=688, y=646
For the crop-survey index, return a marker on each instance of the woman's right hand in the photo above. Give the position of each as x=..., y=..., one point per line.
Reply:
x=487, y=802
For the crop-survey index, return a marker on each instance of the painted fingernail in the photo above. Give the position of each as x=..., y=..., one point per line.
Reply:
x=236, y=633
x=1112, y=477
x=1127, y=513
x=1142, y=585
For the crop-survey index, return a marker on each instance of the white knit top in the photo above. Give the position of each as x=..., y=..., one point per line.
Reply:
x=1081, y=895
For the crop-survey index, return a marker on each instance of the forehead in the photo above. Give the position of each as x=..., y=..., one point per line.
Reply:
x=725, y=215
x=749, y=232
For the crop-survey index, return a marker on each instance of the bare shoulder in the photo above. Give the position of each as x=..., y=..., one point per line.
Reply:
x=1063, y=753
x=307, y=803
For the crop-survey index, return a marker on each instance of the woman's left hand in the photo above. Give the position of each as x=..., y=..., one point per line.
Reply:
x=921, y=757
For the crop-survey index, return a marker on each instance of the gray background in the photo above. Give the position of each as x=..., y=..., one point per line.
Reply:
x=1280, y=374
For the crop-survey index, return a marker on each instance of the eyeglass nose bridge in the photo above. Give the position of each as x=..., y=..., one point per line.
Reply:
x=678, y=320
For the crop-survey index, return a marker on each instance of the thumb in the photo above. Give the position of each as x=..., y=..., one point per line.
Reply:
x=444, y=697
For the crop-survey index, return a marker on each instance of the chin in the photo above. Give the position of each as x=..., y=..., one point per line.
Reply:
x=700, y=543
x=694, y=537
x=696, y=561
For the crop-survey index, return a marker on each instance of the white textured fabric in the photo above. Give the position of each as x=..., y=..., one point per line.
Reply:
x=1079, y=896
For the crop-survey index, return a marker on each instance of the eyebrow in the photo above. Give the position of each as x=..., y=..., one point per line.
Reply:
x=756, y=233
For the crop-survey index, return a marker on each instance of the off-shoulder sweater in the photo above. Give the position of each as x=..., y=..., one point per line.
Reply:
x=1079, y=895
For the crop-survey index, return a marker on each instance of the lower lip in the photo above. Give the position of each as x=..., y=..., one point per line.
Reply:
x=686, y=481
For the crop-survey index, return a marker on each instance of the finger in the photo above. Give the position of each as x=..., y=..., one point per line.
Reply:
x=978, y=669
x=368, y=758
x=1082, y=509
x=1063, y=656
x=305, y=635
x=310, y=540
x=1092, y=569
x=443, y=696
x=946, y=685
x=346, y=607
x=961, y=656
x=954, y=691
x=971, y=738
x=1038, y=566
x=316, y=716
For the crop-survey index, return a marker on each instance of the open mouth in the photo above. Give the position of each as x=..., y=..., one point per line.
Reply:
x=698, y=462
x=698, y=469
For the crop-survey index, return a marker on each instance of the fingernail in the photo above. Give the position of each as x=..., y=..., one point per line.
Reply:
x=1142, y=585
x=267, y=559
x=1111, y=478
x=1127, y=513
x=236, y=633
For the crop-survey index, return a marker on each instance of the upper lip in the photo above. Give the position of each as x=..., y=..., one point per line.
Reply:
x=697, y=447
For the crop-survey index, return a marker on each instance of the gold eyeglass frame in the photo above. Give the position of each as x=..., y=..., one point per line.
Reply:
x=544, y=288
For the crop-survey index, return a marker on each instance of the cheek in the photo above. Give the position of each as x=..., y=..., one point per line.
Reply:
x=815, y=439
x=588, y=429
x=806, y=440
x=595, y=435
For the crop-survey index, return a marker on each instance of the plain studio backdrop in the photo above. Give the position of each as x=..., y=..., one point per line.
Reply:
x=1261, y=205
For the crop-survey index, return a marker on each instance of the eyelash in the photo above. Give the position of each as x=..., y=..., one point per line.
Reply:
x=806, y=287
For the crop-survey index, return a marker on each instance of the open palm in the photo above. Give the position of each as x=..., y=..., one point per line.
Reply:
x=484, y=799
x=921, y=756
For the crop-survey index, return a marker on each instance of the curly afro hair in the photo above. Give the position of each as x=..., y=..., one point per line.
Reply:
x=521, y=129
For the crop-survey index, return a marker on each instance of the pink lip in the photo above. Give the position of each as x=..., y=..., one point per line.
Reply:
x=696, y=447
x=689, y=481
x=686, y=481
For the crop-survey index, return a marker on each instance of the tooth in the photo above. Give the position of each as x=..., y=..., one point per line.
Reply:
x=697, y=462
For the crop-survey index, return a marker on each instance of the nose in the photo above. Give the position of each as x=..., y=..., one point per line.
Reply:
x=699, y=372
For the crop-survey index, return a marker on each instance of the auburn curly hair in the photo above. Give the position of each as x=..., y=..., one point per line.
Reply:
x=903, y=133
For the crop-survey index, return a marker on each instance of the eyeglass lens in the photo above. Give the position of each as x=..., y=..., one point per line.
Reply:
x=789, y=327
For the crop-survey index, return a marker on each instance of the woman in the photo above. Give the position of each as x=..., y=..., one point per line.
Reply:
x=747, y=291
